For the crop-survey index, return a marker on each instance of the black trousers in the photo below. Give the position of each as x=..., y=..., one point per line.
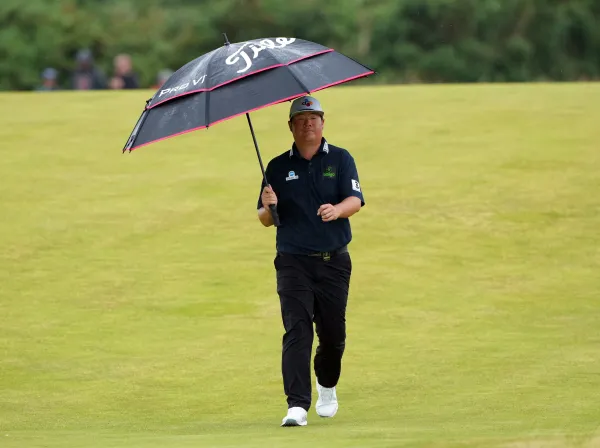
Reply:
x=312, y=290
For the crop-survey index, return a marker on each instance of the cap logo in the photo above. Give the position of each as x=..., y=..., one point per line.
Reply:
x=307, y=103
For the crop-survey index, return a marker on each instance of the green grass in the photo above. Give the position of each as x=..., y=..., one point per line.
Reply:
x=137, y=292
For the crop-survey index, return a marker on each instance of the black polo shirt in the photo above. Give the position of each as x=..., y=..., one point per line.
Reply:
x=302, y=186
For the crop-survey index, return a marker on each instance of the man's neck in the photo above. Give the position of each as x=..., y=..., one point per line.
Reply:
x=308, y=150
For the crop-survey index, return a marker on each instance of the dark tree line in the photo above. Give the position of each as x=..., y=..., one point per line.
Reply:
x=403, y=40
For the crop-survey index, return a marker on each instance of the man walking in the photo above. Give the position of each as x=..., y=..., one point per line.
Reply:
x=316, y=188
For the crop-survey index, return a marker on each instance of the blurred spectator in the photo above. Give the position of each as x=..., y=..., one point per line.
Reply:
x=124, y=76
x=162, y=77
x=86, y=75
x=49, y=80
x=116, y=83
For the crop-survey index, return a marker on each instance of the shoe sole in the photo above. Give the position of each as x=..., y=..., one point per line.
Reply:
x=292, y=422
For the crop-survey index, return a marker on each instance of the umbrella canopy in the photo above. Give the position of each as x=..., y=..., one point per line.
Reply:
x=240, y=78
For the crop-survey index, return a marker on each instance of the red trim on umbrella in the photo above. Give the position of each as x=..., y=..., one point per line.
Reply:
x=344, y=80
x=329, y=50
x=253, y=110
x=219, y=121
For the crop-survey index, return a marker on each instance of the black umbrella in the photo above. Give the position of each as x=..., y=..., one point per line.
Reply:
x=237, y=79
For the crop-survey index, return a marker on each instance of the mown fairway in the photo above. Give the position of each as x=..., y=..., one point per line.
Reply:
x=137, y=292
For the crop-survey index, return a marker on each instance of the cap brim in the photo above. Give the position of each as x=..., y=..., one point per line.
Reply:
x=319, y=112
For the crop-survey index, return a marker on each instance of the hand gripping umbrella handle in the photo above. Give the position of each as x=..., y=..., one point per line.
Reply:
x=272, y=207
x=275, y=215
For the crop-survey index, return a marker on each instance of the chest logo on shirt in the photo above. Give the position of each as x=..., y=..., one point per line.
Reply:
x=291, y=176
x=329, y=172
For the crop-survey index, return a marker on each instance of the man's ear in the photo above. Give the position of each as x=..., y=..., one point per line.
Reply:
x=290, y=124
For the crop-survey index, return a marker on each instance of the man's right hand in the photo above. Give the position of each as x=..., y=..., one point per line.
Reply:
x=268, y=197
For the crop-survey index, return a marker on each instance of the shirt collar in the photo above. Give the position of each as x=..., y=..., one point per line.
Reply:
x=324, y=148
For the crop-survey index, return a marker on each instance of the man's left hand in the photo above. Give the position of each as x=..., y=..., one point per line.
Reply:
x=328, y=212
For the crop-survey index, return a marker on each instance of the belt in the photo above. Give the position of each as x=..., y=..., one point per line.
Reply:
x=326, y=256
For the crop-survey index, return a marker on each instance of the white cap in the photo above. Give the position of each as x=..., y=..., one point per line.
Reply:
x=306, y=104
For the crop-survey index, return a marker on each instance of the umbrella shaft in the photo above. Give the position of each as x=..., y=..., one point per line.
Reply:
x=272, y=207
x=262, y=168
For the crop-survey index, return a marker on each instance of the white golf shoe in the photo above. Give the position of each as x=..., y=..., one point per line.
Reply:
x=295, y=417
x=327, y=404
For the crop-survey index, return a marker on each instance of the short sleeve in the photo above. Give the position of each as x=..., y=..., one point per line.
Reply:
x=349, y=181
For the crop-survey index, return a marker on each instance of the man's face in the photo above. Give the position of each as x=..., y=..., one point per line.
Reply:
x=307, y=127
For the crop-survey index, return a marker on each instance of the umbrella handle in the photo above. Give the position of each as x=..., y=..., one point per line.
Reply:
x=275, y=215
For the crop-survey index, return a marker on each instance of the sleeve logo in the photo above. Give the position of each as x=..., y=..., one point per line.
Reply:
x=355, y=185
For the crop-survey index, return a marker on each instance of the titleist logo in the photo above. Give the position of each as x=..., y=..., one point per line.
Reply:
x=240, y=55
x=256, y=48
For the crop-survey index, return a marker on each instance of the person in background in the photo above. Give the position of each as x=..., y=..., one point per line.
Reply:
x=162, y=77
x=49, y=80
x=124, y=76
x=86, y=75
